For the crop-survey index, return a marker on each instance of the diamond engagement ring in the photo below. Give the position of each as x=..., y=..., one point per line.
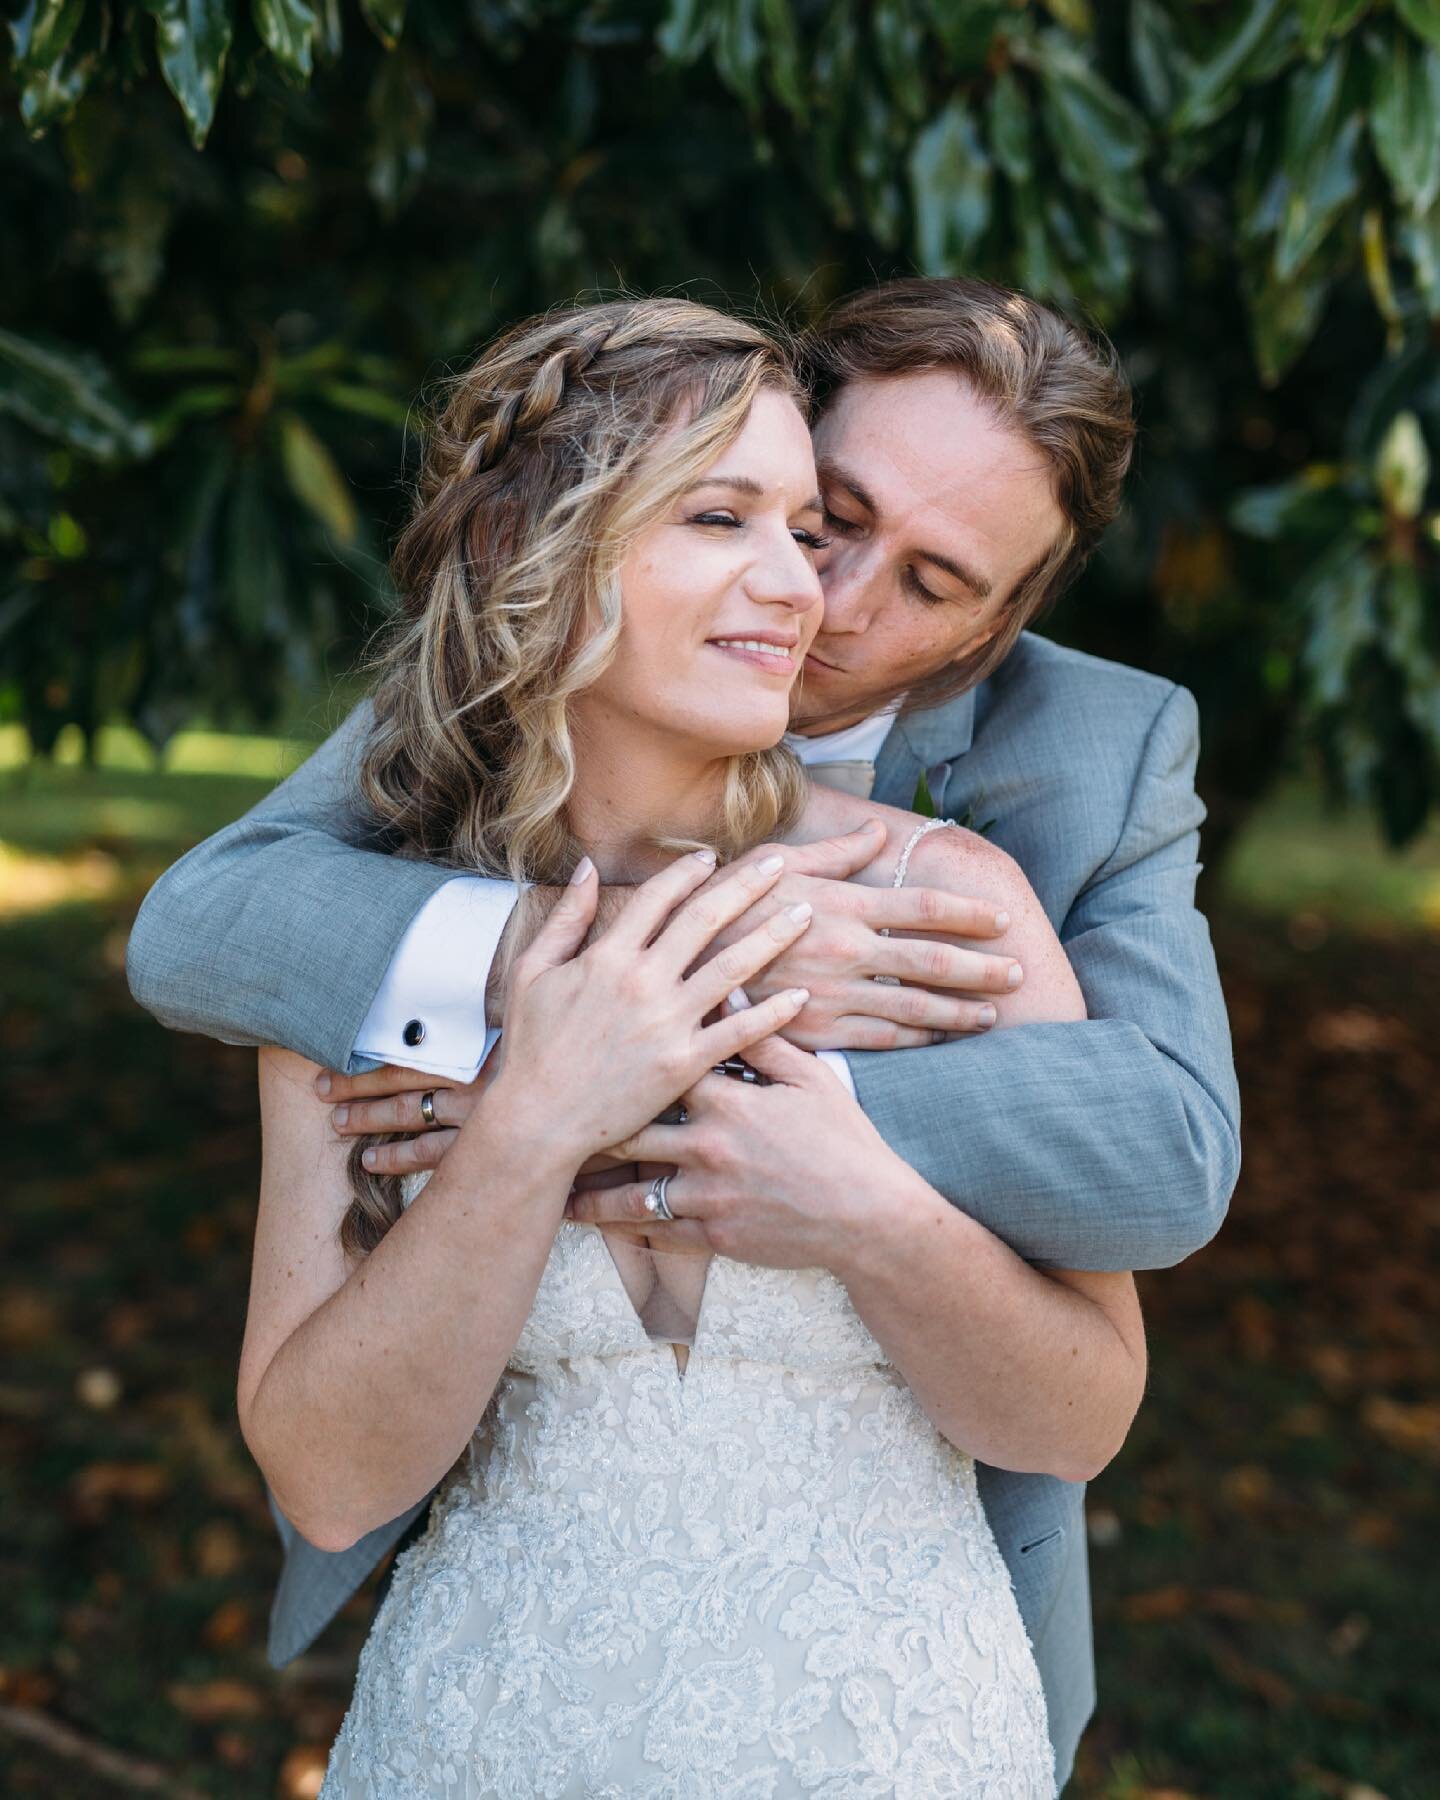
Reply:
x=656, y=1204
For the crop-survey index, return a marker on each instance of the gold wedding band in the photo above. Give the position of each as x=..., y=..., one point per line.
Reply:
x=427, y=1107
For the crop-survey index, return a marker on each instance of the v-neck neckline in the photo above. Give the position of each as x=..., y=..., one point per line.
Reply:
x=637, y=1321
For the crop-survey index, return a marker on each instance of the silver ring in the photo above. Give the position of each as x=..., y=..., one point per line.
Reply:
x=427, y=1108
x=656, y=1204
x=886, y=980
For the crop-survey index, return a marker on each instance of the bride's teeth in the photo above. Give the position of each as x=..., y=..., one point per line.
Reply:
x=777, y=650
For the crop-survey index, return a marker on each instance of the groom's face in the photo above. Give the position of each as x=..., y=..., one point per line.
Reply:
x=935, y=513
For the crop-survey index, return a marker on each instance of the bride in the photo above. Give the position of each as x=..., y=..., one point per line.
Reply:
x=763, y=1568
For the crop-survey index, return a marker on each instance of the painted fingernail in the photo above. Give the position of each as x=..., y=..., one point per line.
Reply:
x=705, y=856
x=342, y=1113
x=1002, y=921
x=322, y=1083
x=370, y=1158
x=800, y=912
x=1015, y=977
x=769, y=864
x=582, y=871
x=739, y=999
x=985, y=1017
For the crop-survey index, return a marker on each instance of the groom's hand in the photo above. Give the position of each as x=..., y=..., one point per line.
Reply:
x=933, y=986
x=389, y=1099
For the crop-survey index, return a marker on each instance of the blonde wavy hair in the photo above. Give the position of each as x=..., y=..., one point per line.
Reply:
x=570, y=435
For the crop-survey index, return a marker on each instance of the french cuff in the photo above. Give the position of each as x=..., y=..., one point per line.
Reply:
x=835, y=1059
x=429, y=1010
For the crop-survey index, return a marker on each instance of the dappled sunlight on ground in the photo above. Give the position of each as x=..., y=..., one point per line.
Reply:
x=36, y=884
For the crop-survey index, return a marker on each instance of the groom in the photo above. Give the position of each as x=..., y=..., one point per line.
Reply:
x=971, y=448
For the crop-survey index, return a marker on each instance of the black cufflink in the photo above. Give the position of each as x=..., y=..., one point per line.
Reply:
x=414, y=1032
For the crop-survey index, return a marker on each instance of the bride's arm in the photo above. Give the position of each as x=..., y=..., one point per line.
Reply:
x=360, y=1383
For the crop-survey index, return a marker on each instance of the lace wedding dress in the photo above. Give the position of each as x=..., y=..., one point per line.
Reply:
x=763, y=1574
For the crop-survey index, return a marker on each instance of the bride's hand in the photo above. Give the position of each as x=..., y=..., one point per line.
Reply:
x=599, y=1041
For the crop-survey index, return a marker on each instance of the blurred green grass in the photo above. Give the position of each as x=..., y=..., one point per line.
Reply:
x=1297, y=858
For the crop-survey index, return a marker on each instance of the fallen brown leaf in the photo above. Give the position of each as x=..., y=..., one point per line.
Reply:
x=225, y=1698
x=1159, y=1603
x=302, y=1772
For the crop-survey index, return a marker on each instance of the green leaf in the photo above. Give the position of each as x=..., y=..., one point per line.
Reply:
x=740, y=49
x=42, y=33
x=192, y=39
x=967, y=32
x=787, y=77
x=1319, y=159
x=685, y=30
x=922, y=801
x=1283, y=318
x=899, y=41
x=1260, y=34
x=315, y=478
x=386, y=18
x=1311, y=503
x=1423, y=18
x=1100, y=141
x=1420, y=239
x=369, y=403
x=1405, y=118
x=1410, y=638
x=1162, y=68
x=877, y=164
x=66, y=51
x=401, y=109
x=1074, y=15
x=1011, y=127
x=1340, y=601
x=203, y=400
x=950, y=181
x=288, y=29
x=1321, y=20
x=1038, y=267
x=68, y=394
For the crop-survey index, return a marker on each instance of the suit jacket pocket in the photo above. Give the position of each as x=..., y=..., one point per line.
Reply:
x=1036, y=1573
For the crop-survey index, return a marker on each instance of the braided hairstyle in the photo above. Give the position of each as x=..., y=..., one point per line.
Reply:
x=570, y=435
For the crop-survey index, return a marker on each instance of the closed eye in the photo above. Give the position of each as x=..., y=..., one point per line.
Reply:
x=914, y=585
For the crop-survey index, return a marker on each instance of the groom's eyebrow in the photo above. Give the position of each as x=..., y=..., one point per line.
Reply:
x=979, y=585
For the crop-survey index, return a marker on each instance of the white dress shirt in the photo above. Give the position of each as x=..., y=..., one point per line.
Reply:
x=429, y=1010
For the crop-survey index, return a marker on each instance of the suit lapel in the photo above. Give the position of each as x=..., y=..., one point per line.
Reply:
x=925, y=743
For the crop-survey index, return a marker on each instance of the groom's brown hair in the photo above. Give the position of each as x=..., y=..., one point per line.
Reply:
x=1058, y=387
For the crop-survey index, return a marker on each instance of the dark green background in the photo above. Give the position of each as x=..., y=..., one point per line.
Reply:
x=207, y=354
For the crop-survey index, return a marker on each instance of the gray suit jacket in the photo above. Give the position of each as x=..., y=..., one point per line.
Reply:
x=1107, y=1144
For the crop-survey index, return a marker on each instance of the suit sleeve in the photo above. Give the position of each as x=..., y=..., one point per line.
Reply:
x=1113, y=1143
x=280, y=928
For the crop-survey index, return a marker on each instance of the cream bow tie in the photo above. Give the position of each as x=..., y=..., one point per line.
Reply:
x=857, y=778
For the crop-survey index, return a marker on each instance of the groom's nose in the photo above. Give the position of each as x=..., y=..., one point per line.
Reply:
x=852, y=591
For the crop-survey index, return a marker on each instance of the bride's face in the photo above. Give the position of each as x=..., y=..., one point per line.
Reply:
x=720, y=600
